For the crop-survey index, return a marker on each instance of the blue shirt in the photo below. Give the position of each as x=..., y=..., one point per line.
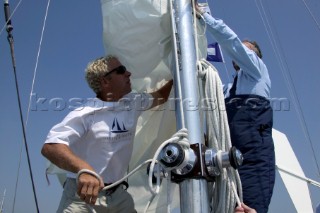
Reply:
x=253, y=76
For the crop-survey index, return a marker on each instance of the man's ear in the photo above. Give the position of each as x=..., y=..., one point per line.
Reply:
x=104, y=82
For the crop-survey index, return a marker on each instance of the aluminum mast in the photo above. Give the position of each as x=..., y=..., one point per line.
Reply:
x=193, y=192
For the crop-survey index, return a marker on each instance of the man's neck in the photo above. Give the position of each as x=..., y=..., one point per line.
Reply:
x=109, y=97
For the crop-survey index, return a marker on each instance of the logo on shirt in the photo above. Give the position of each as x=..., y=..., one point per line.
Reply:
x=117, y=128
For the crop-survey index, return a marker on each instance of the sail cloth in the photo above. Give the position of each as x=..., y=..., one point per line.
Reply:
x=287, y=162
x=139, y=32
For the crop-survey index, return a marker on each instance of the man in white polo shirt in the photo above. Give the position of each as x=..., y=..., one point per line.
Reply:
x=94, y=142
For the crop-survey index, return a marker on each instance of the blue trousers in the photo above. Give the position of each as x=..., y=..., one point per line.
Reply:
x=250, y=120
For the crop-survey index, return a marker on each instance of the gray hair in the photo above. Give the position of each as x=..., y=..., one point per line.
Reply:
x=96, y=70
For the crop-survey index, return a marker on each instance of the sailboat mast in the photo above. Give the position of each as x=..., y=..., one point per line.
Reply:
x=193, y=192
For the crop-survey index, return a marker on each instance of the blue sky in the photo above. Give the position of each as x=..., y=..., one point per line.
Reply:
x=73, y=37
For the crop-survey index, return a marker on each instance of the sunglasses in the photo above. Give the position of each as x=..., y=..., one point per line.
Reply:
x=119, y=70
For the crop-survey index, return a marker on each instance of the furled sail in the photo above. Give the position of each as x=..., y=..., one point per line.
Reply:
x=139, y=33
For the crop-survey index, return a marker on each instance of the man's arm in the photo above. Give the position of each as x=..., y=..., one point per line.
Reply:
x=244, y=209
x=63, y=157
x=161, y=95
x=231, y=43
x=60, y=154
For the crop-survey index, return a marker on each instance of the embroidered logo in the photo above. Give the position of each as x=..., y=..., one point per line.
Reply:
x=116, y=128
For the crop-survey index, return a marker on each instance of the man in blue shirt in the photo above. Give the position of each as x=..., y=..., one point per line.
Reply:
x=249, y=113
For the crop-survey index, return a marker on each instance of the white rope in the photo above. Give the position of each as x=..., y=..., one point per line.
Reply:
x=20, y=154
x=128, y=175
x=288, y=79
x=91, y=173
x=176, y=138
x=203, y=34
x=37, y=60
x=115, y=183
x=311, y=14
x=224, y=197
x=179, y=137
x=235, y=193
x=121, y=180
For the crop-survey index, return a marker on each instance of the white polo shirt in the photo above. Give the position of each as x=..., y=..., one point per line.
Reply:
x=101, y=133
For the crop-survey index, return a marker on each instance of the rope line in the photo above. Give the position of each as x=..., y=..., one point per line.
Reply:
x=174, y=139
x=37, y=60
x=178, y=137
x=10, y=39
x=311, y=14
x=28, y=111
x=278, y=50
x=224, y=198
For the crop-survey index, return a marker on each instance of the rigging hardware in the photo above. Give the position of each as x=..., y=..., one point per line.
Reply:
x=184, y=162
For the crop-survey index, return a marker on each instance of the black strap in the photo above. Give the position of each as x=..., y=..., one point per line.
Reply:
x=232, y=91
x=125, y=183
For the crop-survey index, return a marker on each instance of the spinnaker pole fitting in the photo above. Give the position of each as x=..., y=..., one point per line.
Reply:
x=216, y=161
x=179, y=159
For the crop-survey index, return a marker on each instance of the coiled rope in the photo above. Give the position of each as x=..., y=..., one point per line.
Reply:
x=224, y=196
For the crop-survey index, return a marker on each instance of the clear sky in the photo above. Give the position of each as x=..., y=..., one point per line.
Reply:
x=73, y=37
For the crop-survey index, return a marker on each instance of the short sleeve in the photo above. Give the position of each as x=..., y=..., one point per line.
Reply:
x=68, y=131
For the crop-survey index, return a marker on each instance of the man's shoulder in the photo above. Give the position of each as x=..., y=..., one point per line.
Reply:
x=138, y=100
x=91, y=105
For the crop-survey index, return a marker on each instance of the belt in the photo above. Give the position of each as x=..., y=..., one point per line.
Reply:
x=247, y=100
x=113, y=189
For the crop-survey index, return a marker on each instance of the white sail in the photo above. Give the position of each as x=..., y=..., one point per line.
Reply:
x=143, y=44
x=288, y=165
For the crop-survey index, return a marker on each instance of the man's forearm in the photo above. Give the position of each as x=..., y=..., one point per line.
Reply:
x=161, y=96
x=64, y=158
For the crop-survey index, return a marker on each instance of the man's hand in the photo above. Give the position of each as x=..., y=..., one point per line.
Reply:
x=244, y=209
x=89, y=187
x=199, y=10
x=161, y=95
